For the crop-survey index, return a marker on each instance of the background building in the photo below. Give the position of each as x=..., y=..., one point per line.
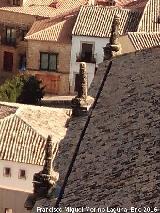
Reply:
x=22, y=149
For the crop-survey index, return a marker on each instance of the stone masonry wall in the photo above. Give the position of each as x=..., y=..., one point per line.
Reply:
x=16, y=18
x=33, y=61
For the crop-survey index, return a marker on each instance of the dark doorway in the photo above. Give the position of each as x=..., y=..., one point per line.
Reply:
x=8, y=61
x=22, y=62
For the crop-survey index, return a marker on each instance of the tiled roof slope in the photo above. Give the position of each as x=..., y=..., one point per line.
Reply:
x=118, y=162
x=19, y=142
x=37, y=2
x=139, y=5
x=144, y=40
x=6, y=111
x=123, y=3
x=136, y=4
x=149, y=20
x=59, y=30
x=97, y=21
x=46, y=11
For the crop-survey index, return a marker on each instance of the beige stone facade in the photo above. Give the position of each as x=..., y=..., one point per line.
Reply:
x=11, y=50
x=126, y=45
x=11, y=53
x=56, y=82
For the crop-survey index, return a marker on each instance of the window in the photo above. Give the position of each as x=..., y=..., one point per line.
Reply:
x=10, y=36
x=7, y=172
x=87, y=51
x=16, y=2
x=22, y=174
x=86, y=54
x=8, y=61
x=22, y=62
x=48, y=61
x=8, y=210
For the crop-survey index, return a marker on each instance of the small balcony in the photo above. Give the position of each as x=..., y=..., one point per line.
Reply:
x=86, y=57
x=9, y=41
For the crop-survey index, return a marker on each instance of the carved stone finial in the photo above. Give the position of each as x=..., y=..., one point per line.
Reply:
x=82, y=90
x=114, y=31
x=113, y=45
x=47, y=169
x=108, y=54
x=80, y=101
x=44, y=181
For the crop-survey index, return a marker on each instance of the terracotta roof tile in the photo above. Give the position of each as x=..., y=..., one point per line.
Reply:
x=37, y=2
x=46, y=11
x=123, y=3
x=59, y=30
x=149, y=20
x=19, y=142
x=6, y=111
x=144, y=40
x=97, y=21
x=120, y=3
x=138, y=5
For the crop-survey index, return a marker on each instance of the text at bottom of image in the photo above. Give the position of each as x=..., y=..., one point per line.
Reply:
x=98, y=210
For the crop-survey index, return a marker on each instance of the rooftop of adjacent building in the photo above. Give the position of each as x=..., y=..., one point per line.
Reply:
x=89, y=23
x=23, y=133
x=47, y=9
x=62, y=19
x=6, y=111
x=97, y=21
x=144, y=40
x=56, y=30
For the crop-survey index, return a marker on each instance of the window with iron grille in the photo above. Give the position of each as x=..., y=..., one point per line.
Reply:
x=10, y=35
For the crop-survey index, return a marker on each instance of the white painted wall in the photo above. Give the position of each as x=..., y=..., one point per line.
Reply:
x=24, y=2
x=99, y=43
x=14, y=182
